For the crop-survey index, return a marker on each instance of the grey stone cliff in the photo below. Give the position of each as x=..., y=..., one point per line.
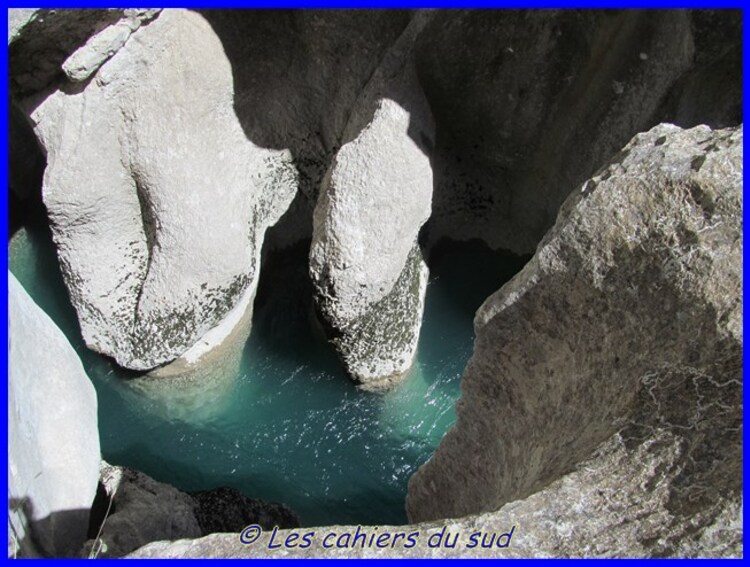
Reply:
x=601, y=412
x=624, y=330
x=138, y=510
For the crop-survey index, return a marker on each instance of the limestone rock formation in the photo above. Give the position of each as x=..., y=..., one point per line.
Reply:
x=86, y=60
x=365, y=261
x=623, y=335
x=157, y=200
x=601, y=411
x=297, y=75
x=40, y=40
x=53, y=447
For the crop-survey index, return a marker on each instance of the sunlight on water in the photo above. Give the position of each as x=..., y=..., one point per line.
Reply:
x=288, y=426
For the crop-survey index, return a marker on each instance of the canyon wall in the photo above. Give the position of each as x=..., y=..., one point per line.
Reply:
x=601, y=413
x=174, y=139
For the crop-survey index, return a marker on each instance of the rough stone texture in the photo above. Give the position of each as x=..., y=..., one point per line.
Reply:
x=157, y=200
x=141, y=510
x=137, y=510
x=365, y=262
x=297, y=75
x=529, y=103
x=602, y=405
x=584, y=514
x=53, y=443
x=18, y=19
x=102, y=46
x=628, y=319
x=40, y=40
x=227, y=510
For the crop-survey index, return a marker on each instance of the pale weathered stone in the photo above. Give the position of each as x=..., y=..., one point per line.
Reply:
x=100, y=47
x=627, y=319
x=18, y=19
x=365, y=262
x=584, y=514
x=158, y=202
x=602, y=406
x=53, y=441
x=40, y=40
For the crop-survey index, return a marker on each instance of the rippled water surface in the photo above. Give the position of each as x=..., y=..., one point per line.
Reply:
x=288, y=426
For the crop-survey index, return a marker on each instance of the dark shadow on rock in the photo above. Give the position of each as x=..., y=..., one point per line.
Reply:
x=26, y=165
x=60, y=534
x=224, y=509
x=539, y=99
x=297, y=74
x=36, y=58
x=711, y=91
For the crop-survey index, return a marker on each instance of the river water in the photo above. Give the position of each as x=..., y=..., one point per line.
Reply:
x=288, y=426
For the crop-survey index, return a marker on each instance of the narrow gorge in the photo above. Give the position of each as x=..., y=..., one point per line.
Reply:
x=420, y=271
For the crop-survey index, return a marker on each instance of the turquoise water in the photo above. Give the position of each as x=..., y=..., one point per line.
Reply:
x=289, y=426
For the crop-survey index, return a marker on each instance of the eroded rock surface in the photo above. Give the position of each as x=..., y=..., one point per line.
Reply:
x=225, y=509
x=53, y=447
x=625, y=330
x=529, y=103
x=365, y=261
x=157, y=200
x=601, y=411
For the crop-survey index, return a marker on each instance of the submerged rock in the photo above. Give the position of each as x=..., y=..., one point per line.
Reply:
x=136, y=509
x=53, y=441
x=365, y=262
x=621, y=338
x=139, y=510
x=158, y=204
x=228, y=510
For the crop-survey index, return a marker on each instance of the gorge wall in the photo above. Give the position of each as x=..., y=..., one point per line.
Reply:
x=176, y=144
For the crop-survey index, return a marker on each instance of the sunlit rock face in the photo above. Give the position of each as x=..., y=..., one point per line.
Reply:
x=158, y=202
x=602, y=403
x=175, y=138
x=365, y=261
x=53, y=454
x=618, y=332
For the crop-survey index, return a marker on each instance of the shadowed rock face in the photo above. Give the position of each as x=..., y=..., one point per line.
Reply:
x=529, y=103
x=628, y=319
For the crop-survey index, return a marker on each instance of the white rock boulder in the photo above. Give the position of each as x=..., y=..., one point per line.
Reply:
x=157, y=200
x=53, y=438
